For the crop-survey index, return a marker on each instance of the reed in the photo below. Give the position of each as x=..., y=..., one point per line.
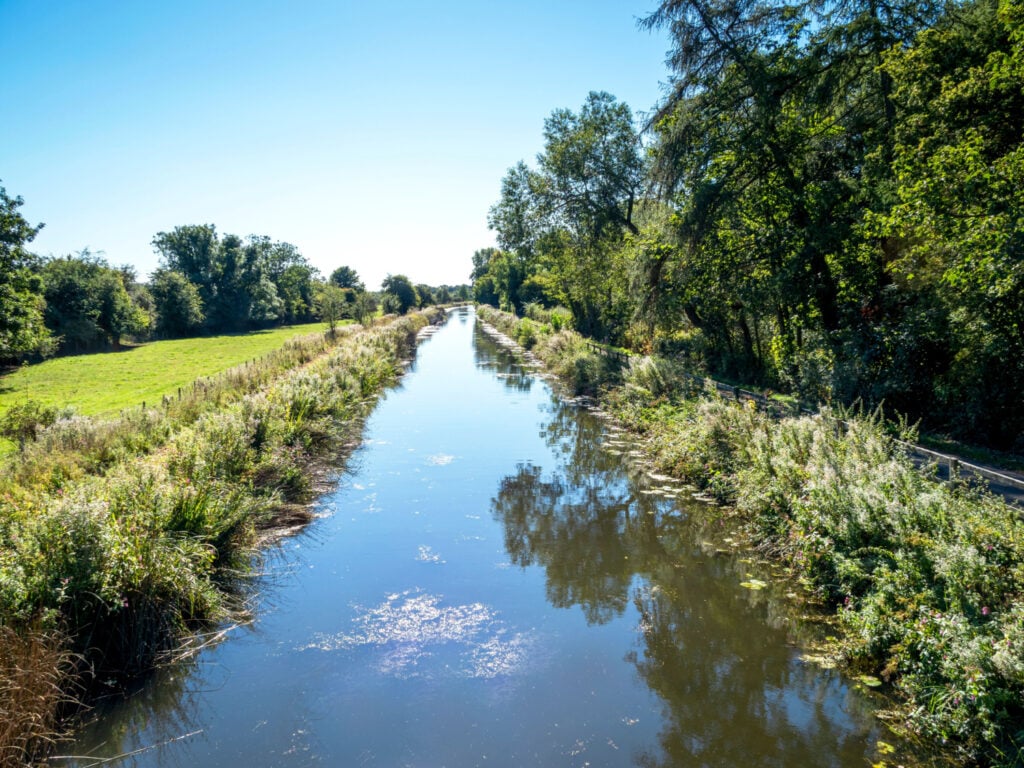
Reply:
x=33, y=666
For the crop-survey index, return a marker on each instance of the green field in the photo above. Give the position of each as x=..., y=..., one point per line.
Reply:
x=104, y=383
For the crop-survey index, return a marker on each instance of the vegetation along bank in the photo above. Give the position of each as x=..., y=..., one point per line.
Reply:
x=926, y=579
x=122, y=539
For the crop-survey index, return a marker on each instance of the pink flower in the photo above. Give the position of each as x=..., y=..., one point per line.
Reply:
x=984, y=610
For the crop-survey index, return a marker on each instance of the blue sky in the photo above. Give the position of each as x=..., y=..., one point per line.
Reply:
x=367, y=134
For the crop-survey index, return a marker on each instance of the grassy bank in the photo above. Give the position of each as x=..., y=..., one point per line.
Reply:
x=926, y=579
x=120, y=537
x=102, y=384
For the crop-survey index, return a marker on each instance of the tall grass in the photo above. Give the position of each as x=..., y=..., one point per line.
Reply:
x=927, y=579
x=122, y=536
x=33, y=665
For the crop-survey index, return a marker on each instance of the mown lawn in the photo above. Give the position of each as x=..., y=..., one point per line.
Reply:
x=104, y=383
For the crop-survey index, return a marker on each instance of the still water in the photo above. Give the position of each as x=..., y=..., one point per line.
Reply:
x=495, y=582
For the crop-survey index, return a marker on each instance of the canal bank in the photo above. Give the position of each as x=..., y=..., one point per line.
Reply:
x=492, y=583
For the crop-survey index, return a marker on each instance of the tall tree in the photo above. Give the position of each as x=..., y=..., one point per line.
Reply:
x=569, y=218
x=193, y=251
x=88, y=304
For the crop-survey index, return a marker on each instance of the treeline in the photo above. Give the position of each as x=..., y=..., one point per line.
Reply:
x=829, y=199
x=206, y=284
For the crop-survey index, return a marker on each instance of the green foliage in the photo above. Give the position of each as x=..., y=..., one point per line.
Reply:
x=561, y=227
x=332, y=304
x=399, y=294
x=87, y=303
x=178, y=306
x=346, y=277
x=926, y=577
x=22, y=330
x=565, y=352
x=23, y=420
x=240, y=284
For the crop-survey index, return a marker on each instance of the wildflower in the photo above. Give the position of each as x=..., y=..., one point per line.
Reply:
x=984, y=610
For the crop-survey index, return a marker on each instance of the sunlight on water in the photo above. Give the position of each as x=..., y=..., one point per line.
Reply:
x=416, y=635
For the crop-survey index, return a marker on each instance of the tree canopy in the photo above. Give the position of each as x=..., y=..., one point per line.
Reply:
x=827, y=200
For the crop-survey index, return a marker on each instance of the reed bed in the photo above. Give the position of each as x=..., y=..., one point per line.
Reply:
x=119, y=538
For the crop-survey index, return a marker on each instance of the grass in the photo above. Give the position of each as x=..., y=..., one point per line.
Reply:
x=102, y=384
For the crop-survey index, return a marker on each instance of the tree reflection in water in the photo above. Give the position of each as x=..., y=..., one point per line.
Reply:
x=719, y=657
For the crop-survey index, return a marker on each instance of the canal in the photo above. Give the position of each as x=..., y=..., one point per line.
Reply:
x=496, y=581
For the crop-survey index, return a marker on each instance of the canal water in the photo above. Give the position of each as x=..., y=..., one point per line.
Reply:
x=495, y=581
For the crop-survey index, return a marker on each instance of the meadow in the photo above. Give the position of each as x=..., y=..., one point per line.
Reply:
x=101, y=384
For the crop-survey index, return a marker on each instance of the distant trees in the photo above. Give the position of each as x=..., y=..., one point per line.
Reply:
x=206, y=283
x=176, y=303
x=241, y=284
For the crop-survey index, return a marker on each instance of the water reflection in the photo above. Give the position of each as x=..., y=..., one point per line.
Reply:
x=734, y=689
x=505, y=365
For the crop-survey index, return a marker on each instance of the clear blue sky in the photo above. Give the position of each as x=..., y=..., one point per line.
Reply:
x=368, y=134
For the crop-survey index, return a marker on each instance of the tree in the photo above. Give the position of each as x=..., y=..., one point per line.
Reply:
x=399, y=294
x=178, y=306
x=570, y=217
x=424, y=295
x=195, y=252
x=364, y=309
x=346, y=277
x=88, y=304
x=296, y=286
x=591, y=166
x=332, y=305
x=22, y=329
x=959, y=163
